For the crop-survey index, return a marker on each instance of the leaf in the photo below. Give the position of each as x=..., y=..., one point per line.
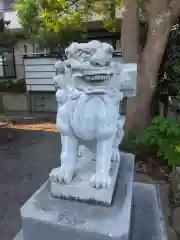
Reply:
x=177, y=147
x=64, y=19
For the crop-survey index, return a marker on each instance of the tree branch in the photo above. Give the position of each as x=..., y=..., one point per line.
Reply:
x=73, y=2
x=175, y=8
x=71, y=5
x=158, y=7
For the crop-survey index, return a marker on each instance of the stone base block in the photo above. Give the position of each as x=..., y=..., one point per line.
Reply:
x=19, y=236
x=147, y=215
x=80, y=188
x=176, y=185
x=45, y=217
x=147, y=221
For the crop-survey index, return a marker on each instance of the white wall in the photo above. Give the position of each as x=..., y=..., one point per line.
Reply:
x=19, y=53
x=12, y=17
x=1, y=8
x=14, y=102
x=39, y=73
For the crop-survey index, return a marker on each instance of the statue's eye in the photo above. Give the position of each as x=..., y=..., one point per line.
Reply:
x=68, y=65
x=82, y=53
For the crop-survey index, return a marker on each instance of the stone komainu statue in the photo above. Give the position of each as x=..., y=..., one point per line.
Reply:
x=88, y=96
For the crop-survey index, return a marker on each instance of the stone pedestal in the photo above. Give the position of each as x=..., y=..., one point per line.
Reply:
x=80, y=188
x=145, y=209
x=45, y=217
x=176, y=185
x=135, y=213
x=147, y=216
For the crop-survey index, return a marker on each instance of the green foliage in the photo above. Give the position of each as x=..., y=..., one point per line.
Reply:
x=54, y=22
x=28, y=15
x=7, y=37
x=170, y=68
x=130, y=145
x=162, y=136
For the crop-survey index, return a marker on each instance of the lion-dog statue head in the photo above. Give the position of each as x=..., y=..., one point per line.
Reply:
x=89, y=65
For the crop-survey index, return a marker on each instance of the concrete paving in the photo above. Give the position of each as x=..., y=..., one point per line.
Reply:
x=24, y=166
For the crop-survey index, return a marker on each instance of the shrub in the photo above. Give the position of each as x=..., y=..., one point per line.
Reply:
x=169, y=74
x=18, y=86
x=162, y=137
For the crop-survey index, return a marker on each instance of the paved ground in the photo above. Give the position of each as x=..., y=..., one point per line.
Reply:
x=26, y=157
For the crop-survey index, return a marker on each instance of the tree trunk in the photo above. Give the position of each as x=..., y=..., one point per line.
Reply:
x=130, y=31
x=130, y=48
x=159, y=25
x=150, y=61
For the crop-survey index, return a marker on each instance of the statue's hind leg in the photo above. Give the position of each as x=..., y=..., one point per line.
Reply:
x=116, y=156
x=65, y=173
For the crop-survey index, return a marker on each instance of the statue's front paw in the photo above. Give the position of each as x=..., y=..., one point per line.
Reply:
x=61, y=96
x=116, y=156
x=61, y=175
x=100, y=181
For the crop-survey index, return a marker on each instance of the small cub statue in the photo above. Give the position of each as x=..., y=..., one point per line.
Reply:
x=89, y=93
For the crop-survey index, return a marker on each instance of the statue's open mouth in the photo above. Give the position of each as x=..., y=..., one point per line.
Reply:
x=97, y=78
x=93, y=81
x=93, y=84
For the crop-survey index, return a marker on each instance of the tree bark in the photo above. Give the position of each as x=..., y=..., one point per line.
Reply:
x=160, y=15
x=130, y=31
x=150, y=60
x=130, y=49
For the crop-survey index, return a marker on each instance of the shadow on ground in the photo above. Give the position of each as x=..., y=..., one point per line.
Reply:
x=24, y=166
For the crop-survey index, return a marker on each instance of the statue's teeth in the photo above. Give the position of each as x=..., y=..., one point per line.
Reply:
x=98, y=78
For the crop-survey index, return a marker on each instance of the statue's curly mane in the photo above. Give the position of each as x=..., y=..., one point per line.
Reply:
x=74, y=48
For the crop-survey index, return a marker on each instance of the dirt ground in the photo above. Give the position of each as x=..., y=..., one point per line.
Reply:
x=27, y=154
